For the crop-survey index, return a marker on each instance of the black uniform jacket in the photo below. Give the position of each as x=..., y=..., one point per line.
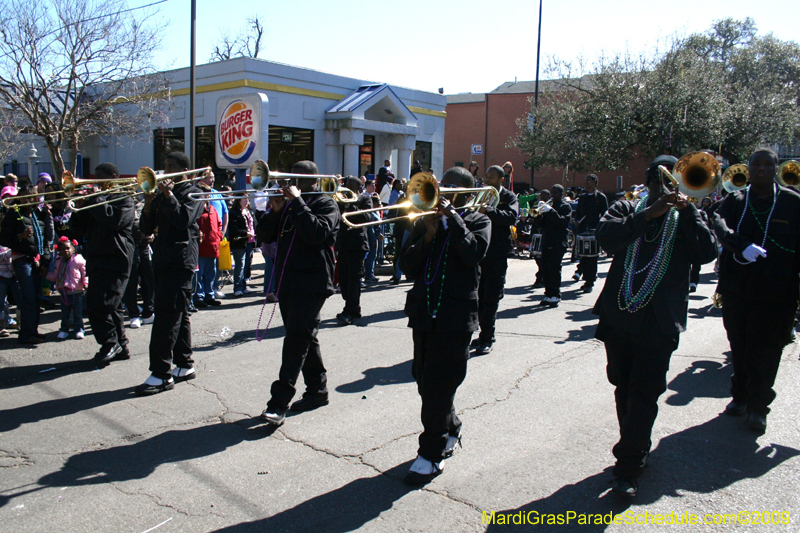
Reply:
x=589, y=210
x=771, y=277
x=469, y=239
x=174, y=222
x=694, y=244
x=503, y=217
x=107, y=233
x=310, y=264
x=354, y=239
x=16, y=221
x=554, y=224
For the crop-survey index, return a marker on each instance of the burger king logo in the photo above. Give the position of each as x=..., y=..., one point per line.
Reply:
x=237, y=132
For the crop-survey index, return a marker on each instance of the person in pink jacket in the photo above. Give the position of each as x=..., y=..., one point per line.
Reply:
x=69, y=277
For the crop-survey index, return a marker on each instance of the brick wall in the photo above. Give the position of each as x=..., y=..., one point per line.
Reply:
x=466, y=124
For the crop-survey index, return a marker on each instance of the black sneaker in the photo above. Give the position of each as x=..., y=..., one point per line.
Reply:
x=154, y=385
x=309, y=402
x=273, y=416
x=483, y=348
x=588, y=287
x=345, y=318
x=756, y=422
x=107, y=353
x=213, y=302
x=123, y=355
x=475, y=342
x=423, y=471
x=201, y=304
x=735, y=408
x=625, y=486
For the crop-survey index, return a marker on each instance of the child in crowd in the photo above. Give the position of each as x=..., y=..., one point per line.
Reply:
x=69, y=277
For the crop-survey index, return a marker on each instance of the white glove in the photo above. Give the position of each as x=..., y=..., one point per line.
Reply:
x=753, y=252
x=544, y=208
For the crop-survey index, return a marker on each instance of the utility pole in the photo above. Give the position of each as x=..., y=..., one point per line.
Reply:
x=192, y=69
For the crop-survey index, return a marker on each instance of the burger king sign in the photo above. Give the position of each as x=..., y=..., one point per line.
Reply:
x=241, y=130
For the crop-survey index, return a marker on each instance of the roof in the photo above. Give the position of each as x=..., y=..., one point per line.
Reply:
x=361, y=96
x=465, y=98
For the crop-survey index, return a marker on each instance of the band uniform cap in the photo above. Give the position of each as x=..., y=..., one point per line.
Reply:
x=666, y=160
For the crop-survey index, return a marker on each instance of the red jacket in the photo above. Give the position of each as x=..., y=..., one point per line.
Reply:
x=210, y=232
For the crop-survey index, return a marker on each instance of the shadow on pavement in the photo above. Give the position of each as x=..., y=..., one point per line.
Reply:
x=701, y=459
x=704, y=379
x=382, y=375
x=140, y=459
x=18, y=376
x=344, y=509
x=11, y=419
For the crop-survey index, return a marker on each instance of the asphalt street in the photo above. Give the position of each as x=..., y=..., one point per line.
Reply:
x=80, y=453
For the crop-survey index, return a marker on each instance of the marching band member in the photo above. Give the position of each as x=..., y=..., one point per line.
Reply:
x=643, y=307
x=107, y=236
x=759, y=229
x=495, y=264
x=442, y=254
x=554, y=221
x=591, y=206
x=352, y=246
x=172, y=216
x=305, y=229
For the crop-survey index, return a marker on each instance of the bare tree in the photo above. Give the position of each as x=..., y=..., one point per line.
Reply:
x=73, y=69
x=246, y=44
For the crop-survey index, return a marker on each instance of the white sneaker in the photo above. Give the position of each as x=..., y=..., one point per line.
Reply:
x=237, y=293
x=62, y=335
x=450, y=447
x=80, y=334
x=183, y=374
x=246, y=291
x=423, y=471
x=136, y=323
x=218, y=294
x=149, y=320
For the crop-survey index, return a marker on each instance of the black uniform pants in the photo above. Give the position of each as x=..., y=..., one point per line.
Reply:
x=439, y=367
x=588, y=268
x=300, y=350
x=551, y=263
x=694, y=277
x=351, y=270
x=132, y=287
x=104, y=305
x=171, y=337
x=758, y=328
x=490, y=292
x=637, y=367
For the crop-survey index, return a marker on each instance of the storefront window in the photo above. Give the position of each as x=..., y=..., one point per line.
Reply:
x=422, y=153
x=287, y=146
x=366, y=156
x=166, y=141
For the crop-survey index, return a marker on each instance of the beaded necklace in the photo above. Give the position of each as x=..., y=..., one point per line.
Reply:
x=259, y=336
x=775, y=192
x=429, y=279
x=629, y=300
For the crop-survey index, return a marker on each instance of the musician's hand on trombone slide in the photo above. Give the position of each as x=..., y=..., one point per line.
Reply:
x=291, y=192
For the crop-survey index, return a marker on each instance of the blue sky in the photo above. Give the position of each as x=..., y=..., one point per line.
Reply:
x=464, y=46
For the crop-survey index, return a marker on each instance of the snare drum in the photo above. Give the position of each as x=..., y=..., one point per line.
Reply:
x=536, y=245
x=586, y=245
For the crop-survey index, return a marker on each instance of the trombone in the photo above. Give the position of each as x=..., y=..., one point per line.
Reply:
x=735, y=178
x=260, y=175
x=789, y=173
x=424, y=192
x=146, y=180
x=696, y=174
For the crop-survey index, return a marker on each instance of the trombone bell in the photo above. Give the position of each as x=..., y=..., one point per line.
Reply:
x=735, y=178
x=789, y=173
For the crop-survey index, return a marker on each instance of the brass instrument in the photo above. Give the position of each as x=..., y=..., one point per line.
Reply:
x=735, y=178
x=260, y=175
x=537, y=211
x=639, y=193
x=70, y=183
x=789, y=173
x=424, y=192
x=696, y=174
x=146, y=180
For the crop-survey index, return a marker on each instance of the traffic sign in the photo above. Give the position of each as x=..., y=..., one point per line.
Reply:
x=477, y=149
